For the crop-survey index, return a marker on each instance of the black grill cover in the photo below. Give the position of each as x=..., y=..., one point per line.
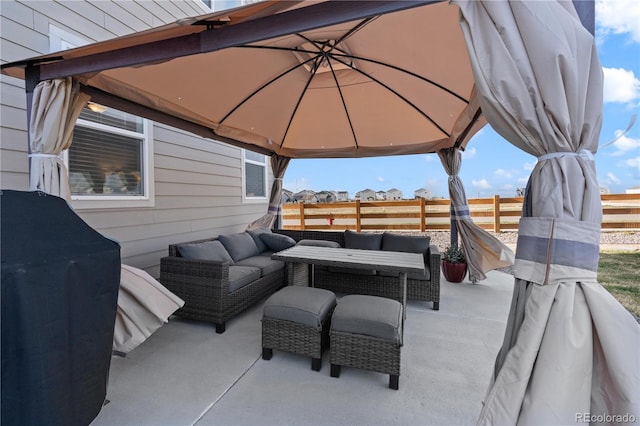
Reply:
x=60, y=281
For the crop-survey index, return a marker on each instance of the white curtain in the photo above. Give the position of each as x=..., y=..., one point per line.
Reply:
x=570, y=349
x=273, y=217
x=55, y=108
x=483, y=251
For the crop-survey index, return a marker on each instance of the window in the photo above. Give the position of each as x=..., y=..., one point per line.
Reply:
x=110, y=159
x=255, y=176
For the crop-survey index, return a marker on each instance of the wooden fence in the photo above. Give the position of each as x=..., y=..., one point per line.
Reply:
x=620, y=212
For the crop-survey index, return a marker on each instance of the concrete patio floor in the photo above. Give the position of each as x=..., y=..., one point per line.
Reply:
x=186, y=374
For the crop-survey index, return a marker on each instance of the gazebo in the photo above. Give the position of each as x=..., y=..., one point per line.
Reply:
x=366, y=78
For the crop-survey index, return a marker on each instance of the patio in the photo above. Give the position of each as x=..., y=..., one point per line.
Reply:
x=187, y=374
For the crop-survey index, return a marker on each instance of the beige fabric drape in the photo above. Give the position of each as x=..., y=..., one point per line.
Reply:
x=483, y=251
x=273, y=217
x=55, y=108
x=570, y=349
x=144, y=305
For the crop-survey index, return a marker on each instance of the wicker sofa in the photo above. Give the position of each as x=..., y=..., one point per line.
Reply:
x=218, y=283
x=423, y=288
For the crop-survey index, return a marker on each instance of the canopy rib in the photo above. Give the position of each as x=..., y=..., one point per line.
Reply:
x=344, y=104
x=302, y=93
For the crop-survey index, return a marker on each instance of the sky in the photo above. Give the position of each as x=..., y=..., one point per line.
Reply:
x=483, y=172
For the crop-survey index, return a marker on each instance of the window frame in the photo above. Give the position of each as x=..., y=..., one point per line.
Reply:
x=248, y=199
x=122, y=201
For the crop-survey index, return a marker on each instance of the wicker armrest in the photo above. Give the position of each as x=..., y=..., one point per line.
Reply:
x=178, y=272
x=433, y=257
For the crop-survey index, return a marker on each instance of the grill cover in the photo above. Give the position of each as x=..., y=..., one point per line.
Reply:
x=60, y=281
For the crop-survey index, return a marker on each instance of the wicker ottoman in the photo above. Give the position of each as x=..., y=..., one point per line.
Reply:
x=366, y=332
x=296, y=319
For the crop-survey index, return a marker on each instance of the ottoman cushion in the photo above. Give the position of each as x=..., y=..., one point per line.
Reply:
x=303, y=305
x=368, y=315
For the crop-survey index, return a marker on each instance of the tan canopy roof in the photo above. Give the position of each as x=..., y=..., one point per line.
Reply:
x=295, y=78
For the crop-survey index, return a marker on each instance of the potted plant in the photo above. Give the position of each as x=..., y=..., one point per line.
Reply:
x=454, y=264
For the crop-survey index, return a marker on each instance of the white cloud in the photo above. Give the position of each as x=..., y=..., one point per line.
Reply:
x=613, y=178
x=523, y=180
x=625, y=144
x=620, y=85
x=618, y=17
x=503, y=173
x=528, y=166
x=468, y=153
x=430, y=157
x=482, y=184
x=633, y=162
x=380, y=179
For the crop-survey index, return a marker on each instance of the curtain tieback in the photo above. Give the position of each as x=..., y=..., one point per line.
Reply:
x=41, y=155
x=587, y=155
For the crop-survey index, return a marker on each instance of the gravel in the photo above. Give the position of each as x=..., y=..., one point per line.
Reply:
x=629, y=239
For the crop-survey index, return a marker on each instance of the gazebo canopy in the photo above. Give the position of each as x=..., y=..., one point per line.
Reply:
x=299, y=79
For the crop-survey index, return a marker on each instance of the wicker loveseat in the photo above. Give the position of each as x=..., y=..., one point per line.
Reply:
x=220, y=277
x=423, y=288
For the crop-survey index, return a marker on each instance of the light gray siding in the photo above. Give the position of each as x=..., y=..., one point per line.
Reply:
x=197, y=182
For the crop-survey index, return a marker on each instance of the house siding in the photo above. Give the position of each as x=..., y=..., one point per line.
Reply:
x=197, y=182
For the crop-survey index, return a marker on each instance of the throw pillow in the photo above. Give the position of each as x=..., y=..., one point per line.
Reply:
x=255, y=234
x=207, y=250
x=405, y=243
x=277, y=242
x=357, y=240
x=240, y=245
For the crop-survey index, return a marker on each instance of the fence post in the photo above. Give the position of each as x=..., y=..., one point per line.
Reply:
x=301, y=209
x=496, y=213
x=358, y=224
x=423, y=215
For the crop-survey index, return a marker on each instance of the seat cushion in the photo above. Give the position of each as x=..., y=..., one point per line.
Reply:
x=240, y=276
x=240, y=245
x=357, y=240
x=319, y=243
x=266, y=264
x=405, y=243
x=303, y=305
x=277, y=242
x=207, y=250
x=368, y=315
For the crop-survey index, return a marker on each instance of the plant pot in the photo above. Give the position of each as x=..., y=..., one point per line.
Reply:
x=454, y=272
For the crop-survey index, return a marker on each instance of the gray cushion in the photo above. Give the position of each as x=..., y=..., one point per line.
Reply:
x=207, y=250
x=240, y=245
x=266, y=264
x=405, y=243
x=368, y=315
x=357, y=240
x=319, y=243
x=277, y=242
x=240, y=276
x=255, y=234
x=303, y=305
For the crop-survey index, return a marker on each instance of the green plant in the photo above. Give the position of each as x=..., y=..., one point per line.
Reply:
x=453, y=254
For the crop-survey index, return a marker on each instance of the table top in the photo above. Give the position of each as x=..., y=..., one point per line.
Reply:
x=380, y=260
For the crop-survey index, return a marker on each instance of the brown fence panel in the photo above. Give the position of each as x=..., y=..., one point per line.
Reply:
x=620, y=212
